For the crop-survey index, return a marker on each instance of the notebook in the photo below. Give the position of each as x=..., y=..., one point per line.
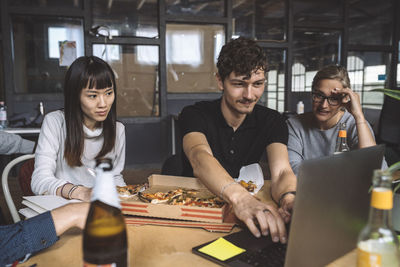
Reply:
x=331, y=207
x=40, y=204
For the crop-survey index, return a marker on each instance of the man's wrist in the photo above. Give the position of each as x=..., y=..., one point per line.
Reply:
x=282, y=197
x=234, y=194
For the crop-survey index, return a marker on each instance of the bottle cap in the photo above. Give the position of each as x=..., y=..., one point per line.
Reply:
x=342, y=133
x=104, y=163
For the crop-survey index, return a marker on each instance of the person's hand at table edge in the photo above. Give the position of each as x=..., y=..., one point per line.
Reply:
x=286, y=203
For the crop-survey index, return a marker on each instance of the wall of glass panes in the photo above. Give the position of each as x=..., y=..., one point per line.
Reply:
x=168, y=52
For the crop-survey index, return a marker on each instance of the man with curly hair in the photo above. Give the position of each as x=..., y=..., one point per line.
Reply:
x=221, y=136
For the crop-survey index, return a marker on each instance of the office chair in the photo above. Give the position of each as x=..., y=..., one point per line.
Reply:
x=389, y=129
x=172, y=165
x=4, y=183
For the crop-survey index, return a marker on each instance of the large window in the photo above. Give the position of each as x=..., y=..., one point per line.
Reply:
x=312, y=50
x=127, y=18
x=195, y=8
x=37, y=65
x=368, y=70
x=46, y=3
x=137, y=81
x=318, y=11
x=168, y=49
x=274, y=95
x=371, y=22
x=192, y=52
x=262, y=20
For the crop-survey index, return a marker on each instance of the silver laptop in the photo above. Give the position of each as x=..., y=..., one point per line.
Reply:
x=331, y=207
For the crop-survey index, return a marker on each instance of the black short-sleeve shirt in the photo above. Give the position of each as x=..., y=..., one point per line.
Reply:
x=233, y=149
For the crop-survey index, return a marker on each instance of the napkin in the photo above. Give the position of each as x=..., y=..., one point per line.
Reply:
x=252, y=172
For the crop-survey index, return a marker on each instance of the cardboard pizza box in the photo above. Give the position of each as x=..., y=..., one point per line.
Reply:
x=165, y=183
x=208, y=226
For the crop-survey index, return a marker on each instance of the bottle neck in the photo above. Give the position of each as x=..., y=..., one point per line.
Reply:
x=380, y=218
x=380, y=214
x=104, y=189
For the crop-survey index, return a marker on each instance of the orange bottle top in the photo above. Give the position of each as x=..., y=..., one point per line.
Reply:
x=342, y=133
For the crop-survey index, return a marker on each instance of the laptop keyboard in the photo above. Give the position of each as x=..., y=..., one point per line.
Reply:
x=270, y=256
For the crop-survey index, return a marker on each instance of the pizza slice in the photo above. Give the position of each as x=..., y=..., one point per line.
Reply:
x=129, y=191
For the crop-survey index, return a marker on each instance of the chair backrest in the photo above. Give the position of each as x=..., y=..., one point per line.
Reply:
x=172, y=165
x=4, y=183
x=25, y=177
x=389, y=125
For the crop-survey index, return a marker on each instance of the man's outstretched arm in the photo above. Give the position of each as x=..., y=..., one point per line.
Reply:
x=245, y=206
x=283, y=180
x=40, y=232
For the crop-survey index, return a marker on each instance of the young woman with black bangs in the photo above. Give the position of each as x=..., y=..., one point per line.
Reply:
x=86, y=129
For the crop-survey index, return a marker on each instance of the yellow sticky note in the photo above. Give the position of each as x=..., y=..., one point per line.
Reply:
x=221, y=249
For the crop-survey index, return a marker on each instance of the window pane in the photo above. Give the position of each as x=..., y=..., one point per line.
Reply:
x=312, y=50
x=136, y=69
x=196, y=8
x=192, y=52
x=47, y=3
x=259, y=20
x=126, y=18
x=2, y=92
x=371, y=23
x=36, y=43
x=368, y=70
x=318, y=11
x=275, y=80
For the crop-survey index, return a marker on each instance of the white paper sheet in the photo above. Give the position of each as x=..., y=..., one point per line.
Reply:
x=44, y=203
x=28, y=212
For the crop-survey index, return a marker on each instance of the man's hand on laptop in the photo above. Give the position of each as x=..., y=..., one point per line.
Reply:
x=250, y=210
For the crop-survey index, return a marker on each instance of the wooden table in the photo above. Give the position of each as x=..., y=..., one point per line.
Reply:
x=148, y=246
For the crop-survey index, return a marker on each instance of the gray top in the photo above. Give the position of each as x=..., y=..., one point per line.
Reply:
x=13, y=143
x=306, y=141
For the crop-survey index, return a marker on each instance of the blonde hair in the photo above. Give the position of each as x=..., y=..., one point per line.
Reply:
x=332, y=72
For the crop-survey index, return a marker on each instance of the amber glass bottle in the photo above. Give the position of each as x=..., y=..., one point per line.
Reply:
x=104, y=236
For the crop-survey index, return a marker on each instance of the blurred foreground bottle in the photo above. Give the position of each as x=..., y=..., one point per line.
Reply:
x=3, y=115
x=377, y=243
x=104, y=236
x=341, y=143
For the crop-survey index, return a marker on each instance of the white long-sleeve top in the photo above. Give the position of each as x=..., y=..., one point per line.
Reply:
x=51, y=169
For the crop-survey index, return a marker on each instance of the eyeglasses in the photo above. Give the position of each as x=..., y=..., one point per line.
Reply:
x=332, y=100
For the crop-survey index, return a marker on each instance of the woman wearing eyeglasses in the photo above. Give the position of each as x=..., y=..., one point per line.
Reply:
x=314, y=134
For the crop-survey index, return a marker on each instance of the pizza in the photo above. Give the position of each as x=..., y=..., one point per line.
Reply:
x=250, y=185
x=182, y=197
x=129, y=191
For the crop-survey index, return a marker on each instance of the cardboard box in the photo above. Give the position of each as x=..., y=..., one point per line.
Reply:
x=165, y=183
x=208, y=226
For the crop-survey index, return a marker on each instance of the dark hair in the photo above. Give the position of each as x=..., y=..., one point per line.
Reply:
x=241, y=56
x=91, y=72
x=332, y=72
